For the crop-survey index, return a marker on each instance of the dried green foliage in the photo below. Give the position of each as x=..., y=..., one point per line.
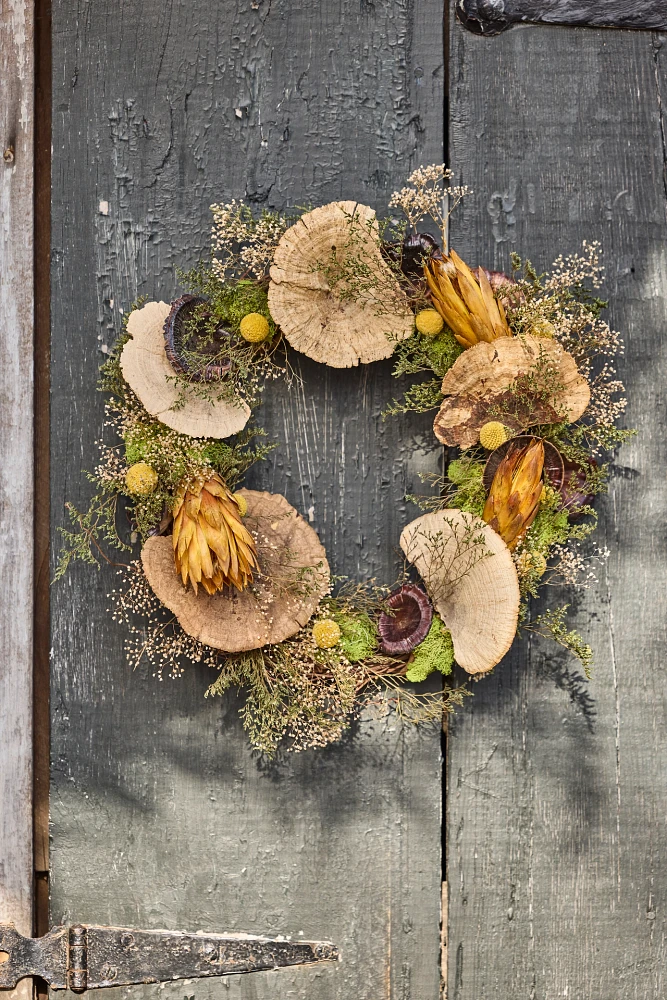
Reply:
x=551, y=625
x=252, y=365
x=173, y=456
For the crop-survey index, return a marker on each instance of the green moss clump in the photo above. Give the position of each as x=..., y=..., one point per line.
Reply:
x=423, y=354
x=359, y=636
x=469, y=494
x=436, y=652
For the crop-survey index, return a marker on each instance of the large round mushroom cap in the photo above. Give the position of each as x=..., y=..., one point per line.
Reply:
x=320, y=320
x=293, y=577
x=477, y=388
x=471, y=579
x=147, y=371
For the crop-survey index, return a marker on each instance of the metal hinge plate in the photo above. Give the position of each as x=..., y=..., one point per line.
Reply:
x=85, y=957
x=489, y=17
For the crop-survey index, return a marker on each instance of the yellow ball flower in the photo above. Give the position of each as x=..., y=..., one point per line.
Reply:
x=531, y=562
x=254, y=328
x=543, y=328
x=326, y=633
x=242, y=503
x=429, y=322
x=492, y=435
x=141, y=479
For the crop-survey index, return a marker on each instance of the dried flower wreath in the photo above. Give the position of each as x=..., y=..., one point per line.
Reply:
x=523, y=384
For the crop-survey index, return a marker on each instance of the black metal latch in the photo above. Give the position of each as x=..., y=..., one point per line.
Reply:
x=89, y=958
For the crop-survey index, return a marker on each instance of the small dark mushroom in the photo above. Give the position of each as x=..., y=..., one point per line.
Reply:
x=573, y=488
x=553, y=461
x=187, y=330
x=411, y=255
x=407, y=622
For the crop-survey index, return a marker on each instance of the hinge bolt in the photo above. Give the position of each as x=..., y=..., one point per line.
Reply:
x=8, y=155
x=78, y=959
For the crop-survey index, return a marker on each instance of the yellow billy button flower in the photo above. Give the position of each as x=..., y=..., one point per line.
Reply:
x=242, y=503
x=492, y=435
x=429, y=322
x=141, y=479
x=531, y=562
x=326, y=633
x=254, y=328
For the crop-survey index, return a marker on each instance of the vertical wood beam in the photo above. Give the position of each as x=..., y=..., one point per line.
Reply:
x=16, y=463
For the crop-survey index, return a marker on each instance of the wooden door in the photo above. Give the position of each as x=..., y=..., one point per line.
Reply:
x=161, y=816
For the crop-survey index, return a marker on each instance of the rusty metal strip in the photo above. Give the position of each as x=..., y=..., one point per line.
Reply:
x=89, y=958
x=490, y=17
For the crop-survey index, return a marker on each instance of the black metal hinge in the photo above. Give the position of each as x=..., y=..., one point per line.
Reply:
x=489, y=17
x=85, y=957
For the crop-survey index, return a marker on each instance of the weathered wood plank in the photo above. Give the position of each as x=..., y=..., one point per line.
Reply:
x=556, y=816
x=16, y=467
x=161, y=815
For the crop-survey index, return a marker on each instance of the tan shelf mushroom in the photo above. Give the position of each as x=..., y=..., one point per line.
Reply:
x=471, y=579
x=148, y=373
x=294, y=575
x=476, y=389
x=333, y=329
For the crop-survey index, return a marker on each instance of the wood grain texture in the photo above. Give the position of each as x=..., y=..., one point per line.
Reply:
x=16, y=467
x=557, y=800
x=161, y=815
x=488, y=17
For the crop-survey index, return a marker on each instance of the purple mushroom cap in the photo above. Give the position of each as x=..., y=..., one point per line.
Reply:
x=407, y=622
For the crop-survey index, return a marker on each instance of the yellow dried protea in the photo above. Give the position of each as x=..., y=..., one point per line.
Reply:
x=492, y=435
x=465, y=300
x=211, y=545
x=326, y=633
x=429, y=322
x=254, y=328
x=515, y=492
x=141, y=479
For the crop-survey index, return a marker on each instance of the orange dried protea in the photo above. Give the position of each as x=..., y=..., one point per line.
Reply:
x=465, y=300
x=515, y=492
x=211, y=544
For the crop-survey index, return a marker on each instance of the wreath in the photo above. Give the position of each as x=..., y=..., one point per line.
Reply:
x=520, y=371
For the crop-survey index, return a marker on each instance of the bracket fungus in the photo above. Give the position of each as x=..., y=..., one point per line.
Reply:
x=482, y=385
x=470, y=576
x=147, y=371
x=407, y=621
x=320, y=314
x=294, y=575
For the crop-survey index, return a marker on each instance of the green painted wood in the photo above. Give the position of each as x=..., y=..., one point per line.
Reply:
x=161, y=815
x=556, y=792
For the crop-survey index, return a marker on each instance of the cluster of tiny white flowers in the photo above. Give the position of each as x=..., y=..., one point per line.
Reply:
x=162, y=644
x=428, y=194
x=242, y=243
x=574, y=568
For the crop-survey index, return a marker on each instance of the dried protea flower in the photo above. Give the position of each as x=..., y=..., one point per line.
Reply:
x=211, y=544
x=553, y=461
x=465, y=300
x=407, y=621
x=515, y=492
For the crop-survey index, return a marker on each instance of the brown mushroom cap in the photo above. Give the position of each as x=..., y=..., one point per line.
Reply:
x=294, y=575
x=315, y=320
x=471, y=579
x=147, y=371
x=477, y=383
